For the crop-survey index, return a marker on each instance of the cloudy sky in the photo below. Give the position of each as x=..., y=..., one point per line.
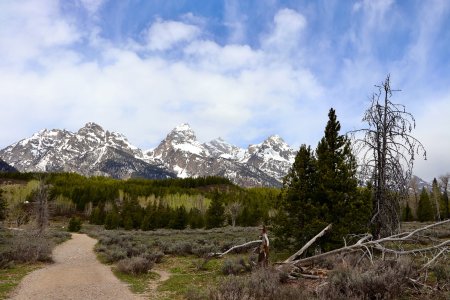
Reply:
x=241, y=70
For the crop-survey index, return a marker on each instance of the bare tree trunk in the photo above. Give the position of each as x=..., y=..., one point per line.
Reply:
x=388, y=151
x=42, y=207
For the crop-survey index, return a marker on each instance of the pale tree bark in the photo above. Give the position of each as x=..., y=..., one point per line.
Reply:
x=387, y=151
x=233, y=209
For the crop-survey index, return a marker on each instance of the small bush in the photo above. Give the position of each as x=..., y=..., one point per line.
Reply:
x=231, y=267
x=135, y=265
x=235, y=267
x=74, y=224
x=261, y=284
x=383, y=280
x=114, y=253
x=155, y=256
x=26, y=248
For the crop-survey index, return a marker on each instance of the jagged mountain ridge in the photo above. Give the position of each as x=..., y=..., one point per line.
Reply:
x=94, y=151
x=263, y=164
x=90, y=151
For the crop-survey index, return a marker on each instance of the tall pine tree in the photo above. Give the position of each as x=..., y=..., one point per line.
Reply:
x=323, y=189
x=301, y=215
x=215, y=215
x=425, y=209
x=337, y=191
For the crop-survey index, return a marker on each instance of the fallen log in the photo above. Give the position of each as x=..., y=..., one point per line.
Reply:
x=371, y=245
x=307, y=245
x=245, y=245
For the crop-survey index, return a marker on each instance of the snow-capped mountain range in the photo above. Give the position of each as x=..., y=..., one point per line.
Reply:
x=94, y=151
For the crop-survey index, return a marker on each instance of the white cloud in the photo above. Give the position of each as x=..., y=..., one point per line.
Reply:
x=240, y=92
x=235, y=21
x=219, y=89
x=433, y=132
x=27, y=28
x=92, y=6
x=163, y=35
x=287, y=29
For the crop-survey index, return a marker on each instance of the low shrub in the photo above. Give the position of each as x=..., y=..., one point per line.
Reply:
x=155, y=256
x=235, y=267
x=26, y=248
x=135, y=265
x=383, y=280
x=262, y=284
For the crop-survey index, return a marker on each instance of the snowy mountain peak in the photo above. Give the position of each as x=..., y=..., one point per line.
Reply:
x=220, y=148
x=183, y=133
x=92, y=128
x=275, y=138
x=93, y=150
x=90, y=151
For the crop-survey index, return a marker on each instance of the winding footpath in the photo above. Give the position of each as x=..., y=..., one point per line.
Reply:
x=76, y=274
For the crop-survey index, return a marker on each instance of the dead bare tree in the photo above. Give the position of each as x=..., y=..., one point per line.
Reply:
x=387, y=150
x=41, y=202
x=233, y=209
x=393, y=244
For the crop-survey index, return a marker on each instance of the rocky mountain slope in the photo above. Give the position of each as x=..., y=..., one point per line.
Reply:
x=4, y=167
x=94, y=151
x=90, y=151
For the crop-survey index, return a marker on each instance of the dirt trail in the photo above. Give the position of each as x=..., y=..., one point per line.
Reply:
x=152, y=293
x=76, y=274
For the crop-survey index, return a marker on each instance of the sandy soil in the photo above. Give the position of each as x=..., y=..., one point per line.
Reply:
x=76, y=274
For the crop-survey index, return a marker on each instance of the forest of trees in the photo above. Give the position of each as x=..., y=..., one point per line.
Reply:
x=204, y=202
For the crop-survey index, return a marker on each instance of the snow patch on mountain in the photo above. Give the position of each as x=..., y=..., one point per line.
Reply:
x=95, y=151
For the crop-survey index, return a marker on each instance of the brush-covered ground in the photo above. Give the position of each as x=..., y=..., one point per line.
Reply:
x=174, y=264
x=23, y=251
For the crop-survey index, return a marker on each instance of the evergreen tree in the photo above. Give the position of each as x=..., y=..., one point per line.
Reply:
x=112, y=220
x=148, y=219
x=180, y=218
x=196, y=219
x=436, y=199
x=97, y=216
x=337, y=183
x=215, y=215
x=424, y=210
x=301, y=215
x=323, y=190
x=407, y=214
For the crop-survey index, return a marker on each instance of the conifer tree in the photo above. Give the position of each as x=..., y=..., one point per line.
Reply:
x=215, y=216
x=424, y=210
x=196, y=219
x=323, y=189
x=436, y=199
x=112, y=220
x=299, y=217
x=337, y=191
x=179, y=220
x=407, y=214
